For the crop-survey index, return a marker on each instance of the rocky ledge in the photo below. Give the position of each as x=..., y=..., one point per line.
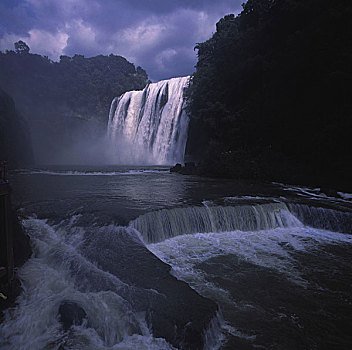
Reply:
x=190, y=168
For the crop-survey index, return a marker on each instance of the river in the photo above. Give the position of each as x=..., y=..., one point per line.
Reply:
x=267, y=266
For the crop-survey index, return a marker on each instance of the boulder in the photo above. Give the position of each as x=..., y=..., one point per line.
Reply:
x=174, y=311
x=190, y=168
x=71, y=314
x=176, y=169
x=329, y=192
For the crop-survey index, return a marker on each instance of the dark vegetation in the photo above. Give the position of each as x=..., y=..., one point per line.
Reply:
x=271, y=95
x=21, y=251
x=15, y=141
x=67, y=101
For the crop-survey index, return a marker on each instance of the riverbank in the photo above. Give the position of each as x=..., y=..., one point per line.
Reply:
x=299, y=178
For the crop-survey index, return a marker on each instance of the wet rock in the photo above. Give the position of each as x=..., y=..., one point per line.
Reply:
x=70, y=313
x=11, y=291
x=21, y=253
x=174, y=311
x=329, y=192
x=176, y=169
x=22, y=250
x=190, y=168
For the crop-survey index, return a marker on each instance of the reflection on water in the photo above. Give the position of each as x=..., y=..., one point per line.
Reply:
x=121, y=194
x=118, y=197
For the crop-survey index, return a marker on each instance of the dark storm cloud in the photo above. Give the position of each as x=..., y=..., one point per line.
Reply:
x=158, y=35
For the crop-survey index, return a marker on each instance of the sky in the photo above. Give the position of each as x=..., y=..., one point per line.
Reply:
x=158, y=35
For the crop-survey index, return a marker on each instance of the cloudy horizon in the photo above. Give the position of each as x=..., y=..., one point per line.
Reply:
x=156, y=35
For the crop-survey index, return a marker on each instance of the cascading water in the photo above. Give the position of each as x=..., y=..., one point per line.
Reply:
x=167, y=223
x=265, y=268
x=163, y=224
x=237, y=272
x=150, y=126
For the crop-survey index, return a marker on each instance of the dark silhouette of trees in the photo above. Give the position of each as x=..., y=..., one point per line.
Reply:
x=15, y=143
x=21, y=48
x=66, y=100
x=270, y=95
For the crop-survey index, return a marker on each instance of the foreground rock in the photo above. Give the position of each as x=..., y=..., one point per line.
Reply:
x=174, y=311
x=21, y=253
x=71, y=314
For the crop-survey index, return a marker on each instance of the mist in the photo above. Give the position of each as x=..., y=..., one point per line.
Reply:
x=66, y=104
x=103, y=151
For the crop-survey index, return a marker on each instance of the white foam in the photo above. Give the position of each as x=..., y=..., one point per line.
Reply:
x=56, y=273
x=214, y=336
x=96, y=173
x=236, y=333
x=166, y=223
x=268, y=248
x=347, y=196
x=315, y=193
x=252, y=198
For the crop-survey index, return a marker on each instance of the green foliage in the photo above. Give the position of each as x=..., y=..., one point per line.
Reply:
x=21, y=48
x=83, y=85
x=274, y=82
x=66, y=100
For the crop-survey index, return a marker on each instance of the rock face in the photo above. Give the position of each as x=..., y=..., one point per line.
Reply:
x=21, y=253
x=15, y=145
x=176, y=169
x=22, y=250
x=174, y=311
x=71, y=314
x=190, y=168
x=329, y=192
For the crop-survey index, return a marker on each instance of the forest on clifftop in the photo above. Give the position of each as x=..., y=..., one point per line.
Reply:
x=271, y=95
x=65, y=102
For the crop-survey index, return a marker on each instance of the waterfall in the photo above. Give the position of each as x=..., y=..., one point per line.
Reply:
x=167, y=223
x=323, y=218
x=163, y=224
x=150, y=126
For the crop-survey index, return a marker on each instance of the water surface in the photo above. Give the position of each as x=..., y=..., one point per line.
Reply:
x=275, y=258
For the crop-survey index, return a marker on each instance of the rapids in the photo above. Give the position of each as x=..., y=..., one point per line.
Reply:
x=162, y=261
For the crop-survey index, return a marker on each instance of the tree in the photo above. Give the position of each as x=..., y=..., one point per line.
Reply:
x=272, y=87
x=140, y=71
x=21, y=48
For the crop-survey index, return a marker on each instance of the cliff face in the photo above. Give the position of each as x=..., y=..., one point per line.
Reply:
x=15, y=144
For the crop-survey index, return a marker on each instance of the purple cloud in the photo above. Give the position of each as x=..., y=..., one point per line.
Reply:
x=158, y=35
